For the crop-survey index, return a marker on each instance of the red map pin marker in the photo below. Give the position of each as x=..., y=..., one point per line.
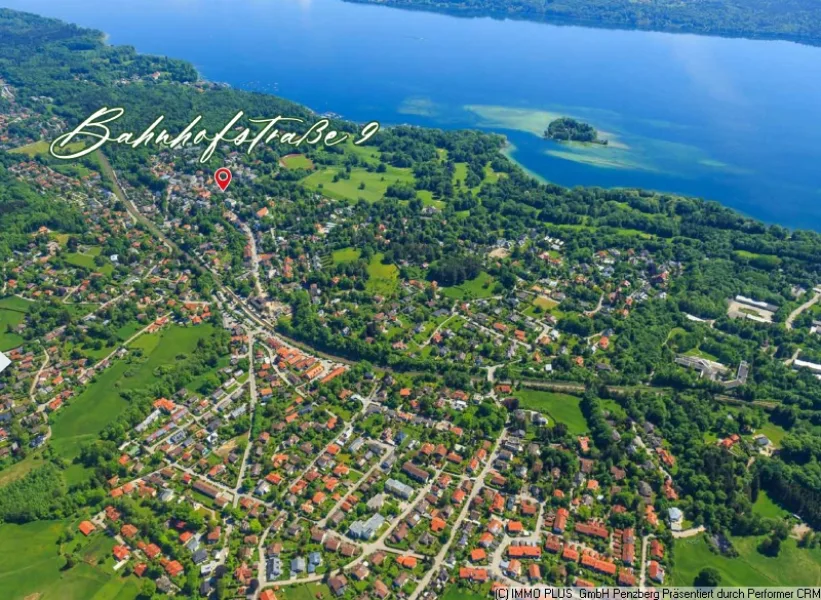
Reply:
x=222, y=177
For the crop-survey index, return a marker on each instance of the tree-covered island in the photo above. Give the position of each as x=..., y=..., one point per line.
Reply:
x=565, y=129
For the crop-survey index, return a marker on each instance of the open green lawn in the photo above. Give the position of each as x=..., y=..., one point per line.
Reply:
x=457, y=592
x=376, y=184
x=542, y=305
x=15, y=303
x=32, y=150
x=85, y=260
x=701, y=354
x=775, y=433
x=345, y=255
x=794, y=566
x=562, y=408
x=479, y=287
x=30, y=563
x=382, y=279
x=12, y=312
x=10, y=318
x=76, y=474
x=129, y=329
x=765, y=507
x=41, y=148
x=297, y=161
x=100, y=403
x=305, y=591
x=545, y=303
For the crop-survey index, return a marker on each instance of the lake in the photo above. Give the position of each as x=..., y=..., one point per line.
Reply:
x=731, y=120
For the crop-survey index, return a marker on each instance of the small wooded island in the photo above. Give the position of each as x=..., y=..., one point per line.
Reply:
x=566, y=129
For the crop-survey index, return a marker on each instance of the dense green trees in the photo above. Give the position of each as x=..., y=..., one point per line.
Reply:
x=708, y=577
x=455, y=270
x=791, y=20
x=39, y=495
x=566, y=129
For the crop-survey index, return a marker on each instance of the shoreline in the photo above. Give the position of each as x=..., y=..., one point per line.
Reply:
x=508, y=150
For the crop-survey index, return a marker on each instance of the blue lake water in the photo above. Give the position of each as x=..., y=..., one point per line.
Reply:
x=732, y=120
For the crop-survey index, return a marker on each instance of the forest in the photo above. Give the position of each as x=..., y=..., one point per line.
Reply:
x=795, y=20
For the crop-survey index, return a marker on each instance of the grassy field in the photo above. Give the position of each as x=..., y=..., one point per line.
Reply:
x=15, y=303
x=480, y=287
x=305, y=591
x=382, y=279
x=345, y=255
x=765, y=507
x=297, y=161
x=775, y=433
x=562, y=408
x=100, y=403
x=545, y=303
x=85, y=260
x=456, y=592
x=12, y=313
x=375, y=184
x=30, y=563
x=701, y=354
x=41, y=148
x=10, y=317
x=794, y=566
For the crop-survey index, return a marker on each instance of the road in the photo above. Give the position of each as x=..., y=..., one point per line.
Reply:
x=36, y=379
x=794, y=314
x=439, y=560
x=252, y=388
x=249, y=316
x=645, y=543
x=687, y=533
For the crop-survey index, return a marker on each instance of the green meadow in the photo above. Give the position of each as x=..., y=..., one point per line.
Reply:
x=345, y=255
x=765, y=507
x=775, y=433
x=562, y=408
x=31, y=565
x=41, y=148
x=750, y=568
x=305, y=591
x=479, y=287
x=457, y=592
x=12, y=313
x=85, y=260
x=370, y=186
x=100, y=403
x=297, y=161
x=382, y=279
